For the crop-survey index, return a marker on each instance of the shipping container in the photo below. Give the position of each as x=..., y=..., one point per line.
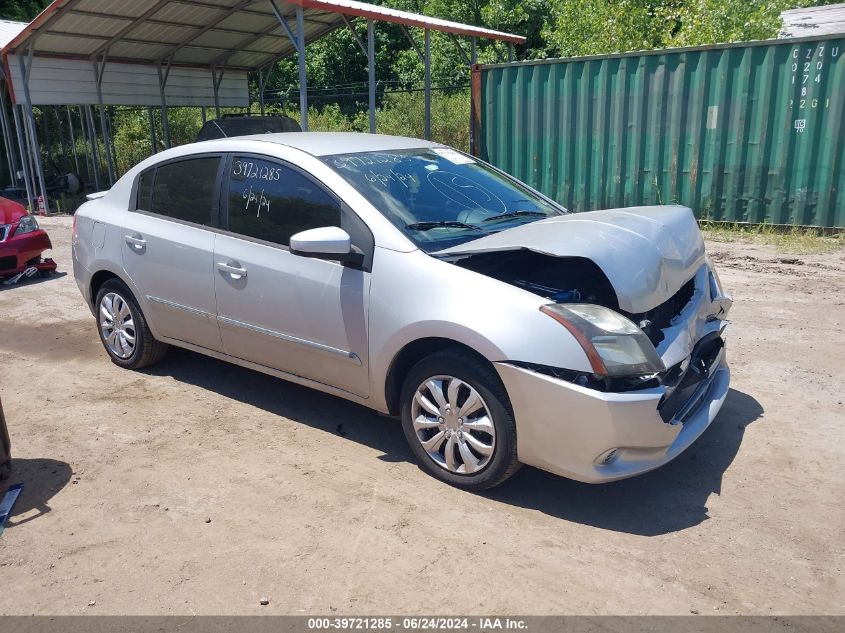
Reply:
x=751, y=132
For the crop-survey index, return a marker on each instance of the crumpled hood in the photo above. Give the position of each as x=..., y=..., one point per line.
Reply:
x=10, y=211
x=647, y=253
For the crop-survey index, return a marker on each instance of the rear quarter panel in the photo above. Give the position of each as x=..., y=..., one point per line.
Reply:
x=97, y=244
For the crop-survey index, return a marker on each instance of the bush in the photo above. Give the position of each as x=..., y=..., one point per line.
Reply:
x=401, y=114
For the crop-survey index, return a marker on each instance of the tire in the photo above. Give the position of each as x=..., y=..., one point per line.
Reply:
x=5, y=470
x=145, y=350
x=467, y=429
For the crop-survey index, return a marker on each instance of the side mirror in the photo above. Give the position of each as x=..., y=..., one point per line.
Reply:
x=327, y=242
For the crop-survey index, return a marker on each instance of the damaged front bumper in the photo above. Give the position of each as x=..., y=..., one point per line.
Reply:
x=598, y=436
x=19, y=253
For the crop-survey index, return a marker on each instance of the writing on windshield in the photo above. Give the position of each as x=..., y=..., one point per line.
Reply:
x=438, y=196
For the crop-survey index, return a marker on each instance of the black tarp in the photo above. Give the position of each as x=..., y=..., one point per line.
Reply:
x=5, y=446
x=237, y=125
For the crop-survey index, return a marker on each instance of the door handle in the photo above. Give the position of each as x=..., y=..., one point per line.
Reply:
x=232, y=269
x=136, y=242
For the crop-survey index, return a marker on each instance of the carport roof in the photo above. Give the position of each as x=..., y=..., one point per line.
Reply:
x=9, y=30
x=239, y=34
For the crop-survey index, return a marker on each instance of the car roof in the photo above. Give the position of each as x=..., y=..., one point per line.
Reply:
x=329, y=143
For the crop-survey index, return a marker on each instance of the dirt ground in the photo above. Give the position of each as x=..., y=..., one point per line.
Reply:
x=198, y=487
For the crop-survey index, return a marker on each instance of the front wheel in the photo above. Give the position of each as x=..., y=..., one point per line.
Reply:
x=457, y=417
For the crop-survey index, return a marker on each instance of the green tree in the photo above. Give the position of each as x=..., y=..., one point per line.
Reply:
x=21, y=10
x=712, y=21
x=590, y=27
x=523, y=17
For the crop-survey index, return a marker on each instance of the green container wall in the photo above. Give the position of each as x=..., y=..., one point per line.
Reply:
x=741, y=133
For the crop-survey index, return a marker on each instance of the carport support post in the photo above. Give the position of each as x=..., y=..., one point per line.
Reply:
x=45, y=125
x=427, y=85
x=112, y=146
x=261, y=91
x=89, y=161
x=21, y=148
x=30, y=155
x=299, y=42
x=371, y=63
x=216, y=97
x=303, y=86
x=99, y=70
x=217, y=81
x=7, y=141
x=7, y=137
x=271, y=68
x=95, y=152
x=165, y=124
x=26, y=67
x=473, y=58
x=73, y=141
x=62, y=137
x=369, y=51
x=153, y=140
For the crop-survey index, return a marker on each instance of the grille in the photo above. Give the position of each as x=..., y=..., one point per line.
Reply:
x=8, y=263
x=4, y=229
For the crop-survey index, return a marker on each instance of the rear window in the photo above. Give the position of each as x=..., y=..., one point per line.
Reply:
x=145, y=189
x=183, y=190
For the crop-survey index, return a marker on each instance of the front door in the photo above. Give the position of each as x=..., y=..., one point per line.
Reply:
x=304, y=316
x=168, y=248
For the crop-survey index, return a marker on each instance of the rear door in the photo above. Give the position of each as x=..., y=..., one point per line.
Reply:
x=304, y=316
x=168, y=247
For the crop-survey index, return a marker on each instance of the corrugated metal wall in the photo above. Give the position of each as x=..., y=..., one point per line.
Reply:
x=59, y=81
x=747, y=133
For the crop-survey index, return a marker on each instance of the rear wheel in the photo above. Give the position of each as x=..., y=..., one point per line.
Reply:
x=123, y=329
x=458, y=420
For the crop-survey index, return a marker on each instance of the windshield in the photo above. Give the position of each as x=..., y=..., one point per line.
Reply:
x=438, y=196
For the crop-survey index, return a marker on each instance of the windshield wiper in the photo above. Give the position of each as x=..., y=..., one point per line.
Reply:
x=427, y=226
x=513, y=214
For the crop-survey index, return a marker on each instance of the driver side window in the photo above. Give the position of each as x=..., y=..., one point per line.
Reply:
x=271, y=202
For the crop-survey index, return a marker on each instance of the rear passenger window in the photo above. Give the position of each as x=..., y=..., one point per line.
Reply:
x=271, y=202
x=184, y=190
x=145, y=189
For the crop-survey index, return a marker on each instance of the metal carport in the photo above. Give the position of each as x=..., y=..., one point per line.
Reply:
x=93, y=53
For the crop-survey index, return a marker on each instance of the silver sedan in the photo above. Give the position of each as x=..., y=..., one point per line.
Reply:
x=421, y=282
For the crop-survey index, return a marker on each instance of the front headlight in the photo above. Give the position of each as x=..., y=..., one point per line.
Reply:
x=28, y=224
x=613, y=344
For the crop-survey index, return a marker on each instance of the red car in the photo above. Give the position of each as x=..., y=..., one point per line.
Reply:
x=21, y=242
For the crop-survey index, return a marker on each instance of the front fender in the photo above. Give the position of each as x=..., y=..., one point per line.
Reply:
x=415, y=296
